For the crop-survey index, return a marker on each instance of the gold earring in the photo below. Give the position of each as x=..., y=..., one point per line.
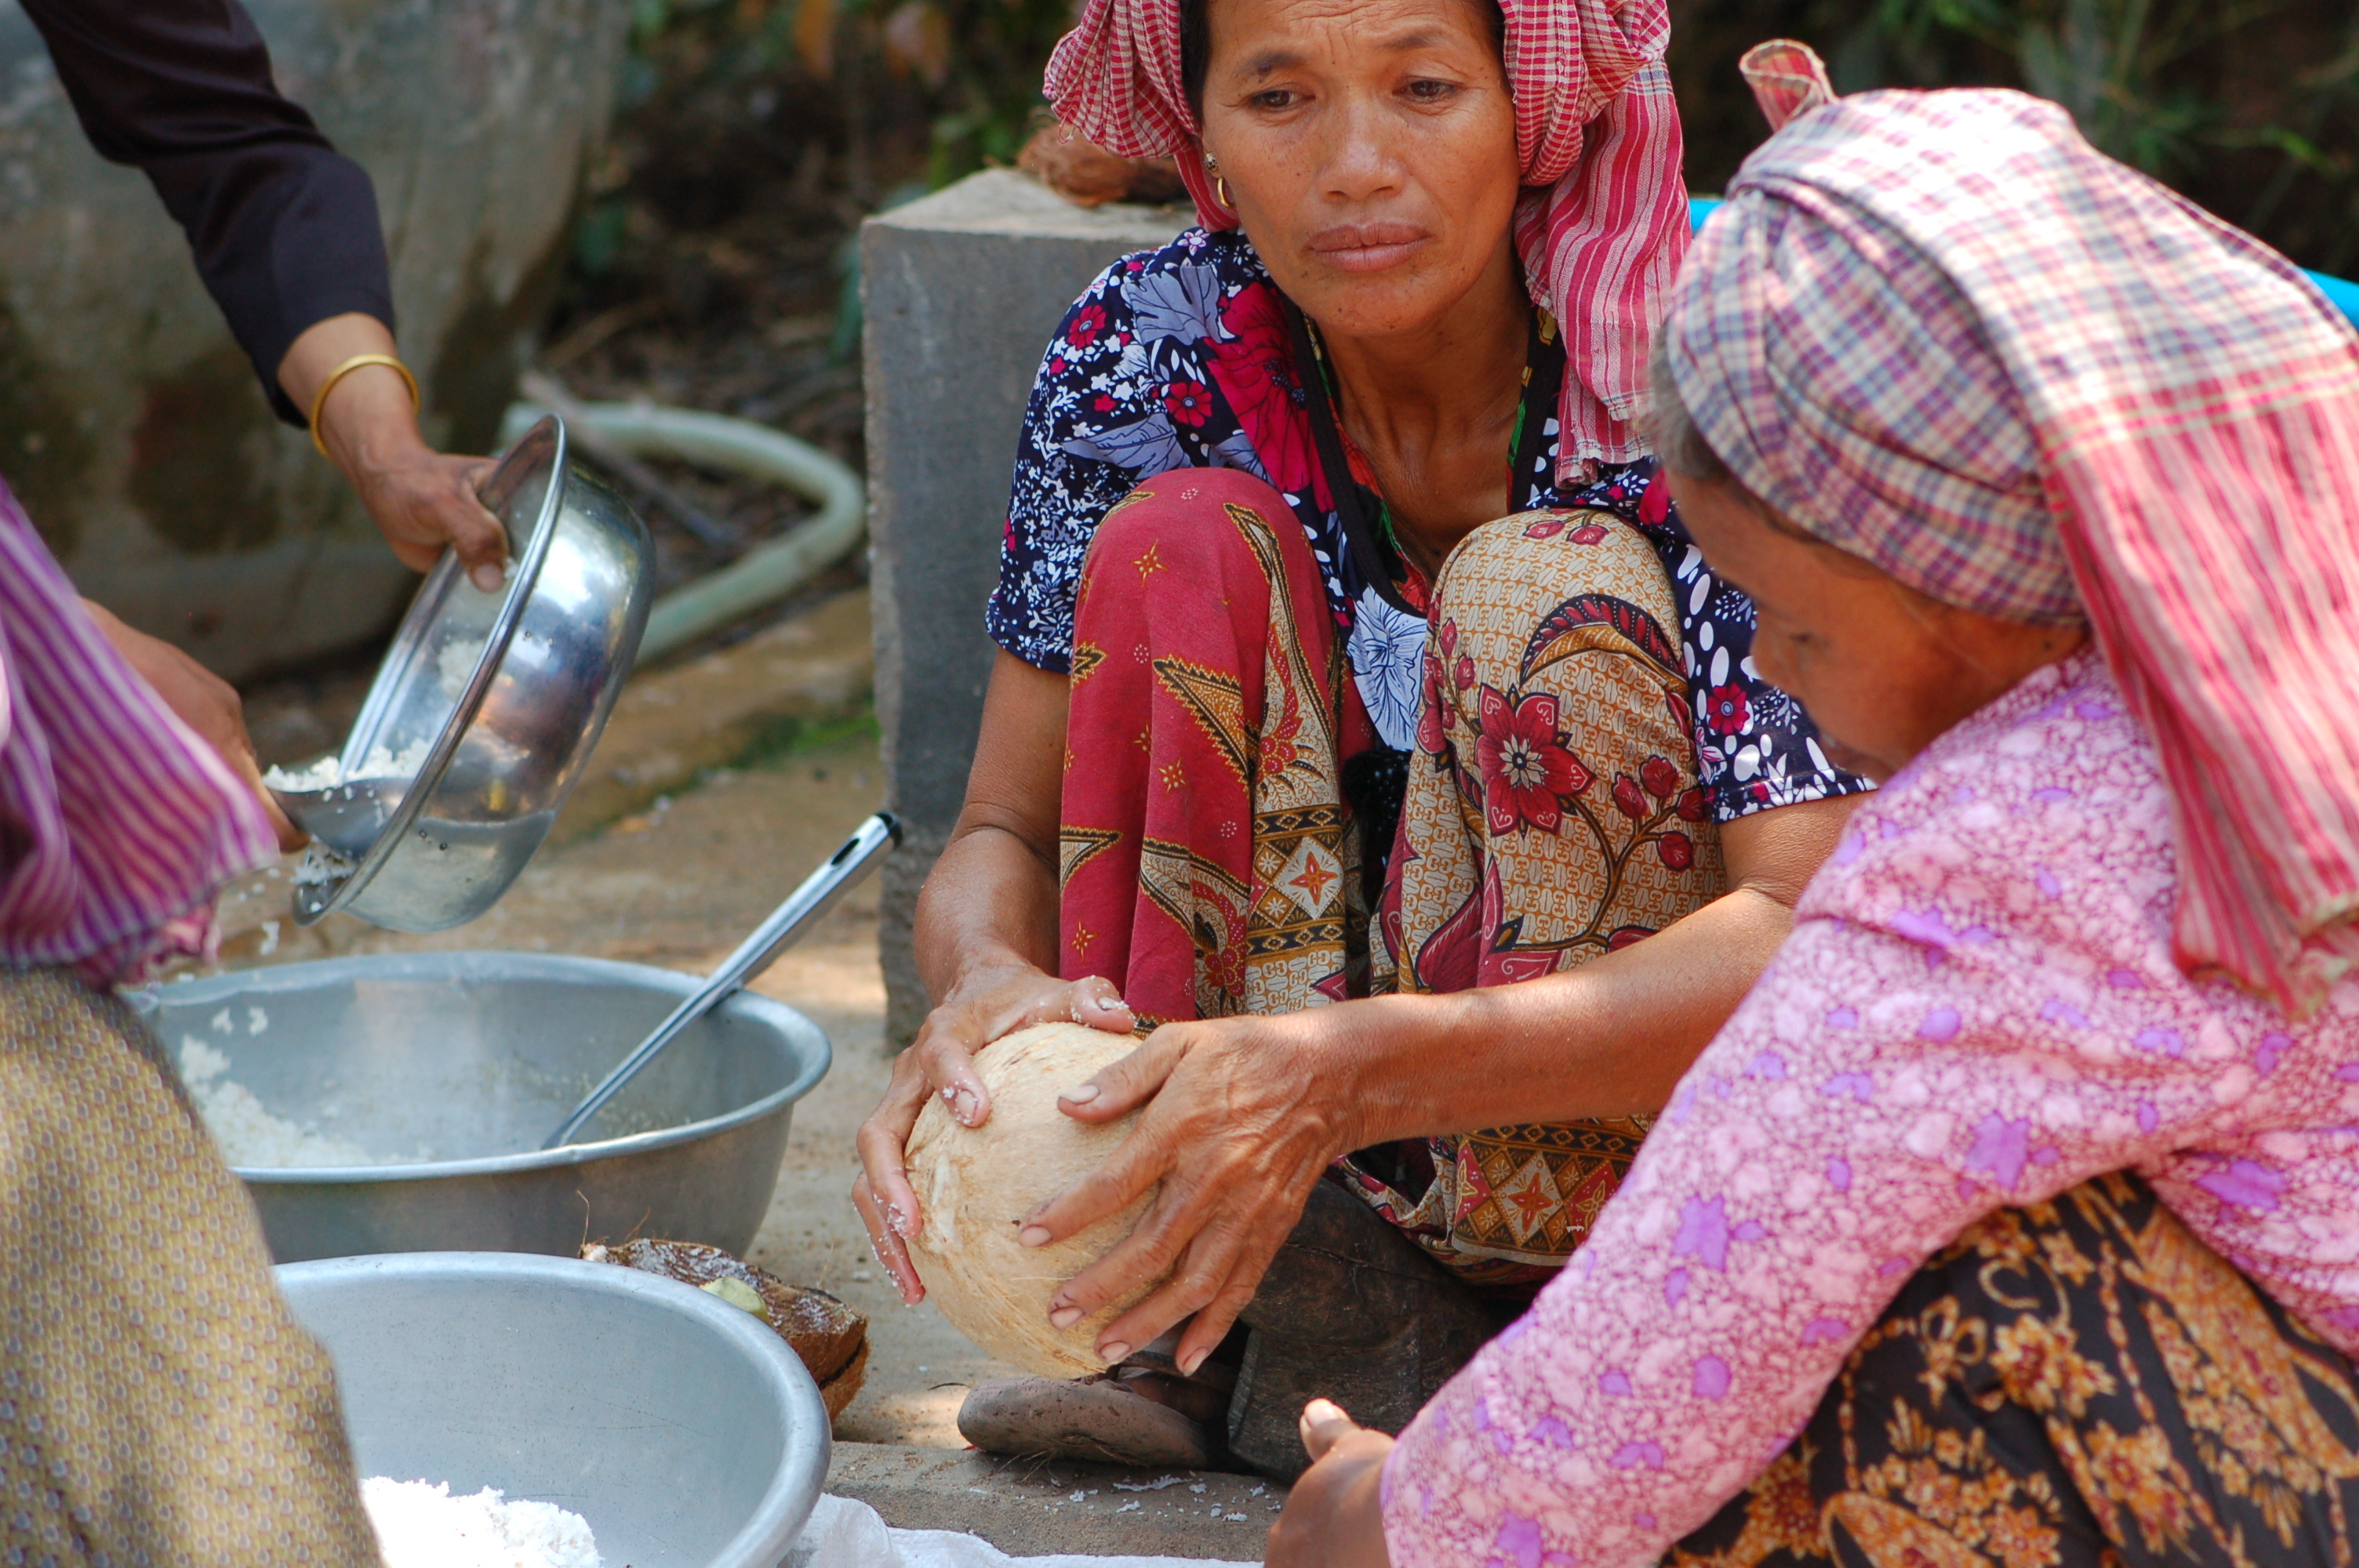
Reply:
x=1220, y=184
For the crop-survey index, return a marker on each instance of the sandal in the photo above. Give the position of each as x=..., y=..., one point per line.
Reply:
x=1133, y=1415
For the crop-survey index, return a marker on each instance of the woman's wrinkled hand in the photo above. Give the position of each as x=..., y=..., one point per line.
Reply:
x=423, y=500
x=942, y=1062
x=204, y=702
x=1242, y=1115
x=1334, y=1516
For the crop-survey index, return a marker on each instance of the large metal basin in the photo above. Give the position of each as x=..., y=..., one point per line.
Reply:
x=505, y=694
x=477, y=1056
x=683, y=1430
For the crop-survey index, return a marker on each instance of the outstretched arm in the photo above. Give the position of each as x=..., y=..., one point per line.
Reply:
x=1875, y=1097
x=1247, y=1112
x=284, y=232
x=987, y=942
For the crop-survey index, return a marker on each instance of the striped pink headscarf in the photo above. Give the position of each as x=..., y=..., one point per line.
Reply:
x=117, y=822
x=1603, y=220
x=1942, y=332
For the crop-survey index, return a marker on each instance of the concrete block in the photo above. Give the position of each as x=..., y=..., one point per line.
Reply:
x=1036, y=1507
x=961, y=292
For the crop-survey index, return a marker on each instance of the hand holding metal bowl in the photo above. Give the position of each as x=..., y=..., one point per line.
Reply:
x=482, y=716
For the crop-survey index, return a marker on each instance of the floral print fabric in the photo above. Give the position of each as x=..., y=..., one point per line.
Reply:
x=2078, y=1382
x=1978, y=1009
x=1181, y=358
x=1553, y=814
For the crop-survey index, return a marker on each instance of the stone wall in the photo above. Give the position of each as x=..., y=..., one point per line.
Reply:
x=130, y=423
x=961, y=291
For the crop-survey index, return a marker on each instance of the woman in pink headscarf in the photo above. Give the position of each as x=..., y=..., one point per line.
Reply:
x=1410, y=330
x=2011, y=1218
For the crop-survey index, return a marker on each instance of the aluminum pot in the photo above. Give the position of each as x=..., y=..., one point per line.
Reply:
x=683, y=1430
x=488, y=705
x=472, y=1057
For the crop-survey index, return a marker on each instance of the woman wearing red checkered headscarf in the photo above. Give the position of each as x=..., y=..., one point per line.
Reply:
x=1375, y=839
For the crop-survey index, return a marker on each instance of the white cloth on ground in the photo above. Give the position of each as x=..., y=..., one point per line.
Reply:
x=847, y=1534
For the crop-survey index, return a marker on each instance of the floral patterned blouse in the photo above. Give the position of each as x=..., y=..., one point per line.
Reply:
x=1183, y=358
x=1978, y=1009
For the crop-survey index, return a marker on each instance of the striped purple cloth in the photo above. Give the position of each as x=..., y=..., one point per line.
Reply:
x=117, y=822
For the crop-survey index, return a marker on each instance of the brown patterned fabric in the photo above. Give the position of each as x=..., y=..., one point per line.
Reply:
x=159, y=1405
x=1553, y=814
x=2078, y=1382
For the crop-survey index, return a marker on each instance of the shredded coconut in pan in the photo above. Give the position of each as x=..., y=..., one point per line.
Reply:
x=327, y=773
x=250, y=1136
x=419, y=1526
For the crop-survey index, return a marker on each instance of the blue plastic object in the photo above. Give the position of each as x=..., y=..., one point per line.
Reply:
x=2341, y=293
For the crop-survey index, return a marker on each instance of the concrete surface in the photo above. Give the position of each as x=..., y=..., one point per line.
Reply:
x=131, y=424
x=961, y=292
x=1036, y=1507
x=673, y=723
x=677, y=879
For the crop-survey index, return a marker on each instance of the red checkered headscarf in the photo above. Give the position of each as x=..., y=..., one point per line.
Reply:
x=1603, y=220
x=1942, y=332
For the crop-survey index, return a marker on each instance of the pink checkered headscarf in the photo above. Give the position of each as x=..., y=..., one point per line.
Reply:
x=1942, y=332
x=1603, y=220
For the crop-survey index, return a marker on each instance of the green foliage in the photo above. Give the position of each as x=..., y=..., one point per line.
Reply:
x=992, y=85
x=794, y=736
x=973, y=66
x=2251, y=107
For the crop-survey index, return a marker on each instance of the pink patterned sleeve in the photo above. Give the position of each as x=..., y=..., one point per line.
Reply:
x=1885, y=1084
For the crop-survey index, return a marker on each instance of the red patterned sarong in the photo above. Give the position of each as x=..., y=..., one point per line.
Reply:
x=1208, y=866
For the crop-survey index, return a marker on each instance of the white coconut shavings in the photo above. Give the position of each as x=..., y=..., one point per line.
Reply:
x=422, y=1526
x=320, y=865
x=250, y=1137
x=327, y=773
x=455, y=662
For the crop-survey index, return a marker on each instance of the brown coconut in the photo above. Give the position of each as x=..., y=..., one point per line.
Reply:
x=831, y=1337
x=976, y=1185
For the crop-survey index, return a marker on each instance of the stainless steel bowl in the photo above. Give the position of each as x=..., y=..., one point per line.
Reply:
x=683, y=1430
x=502, y=694
x=476, y=1055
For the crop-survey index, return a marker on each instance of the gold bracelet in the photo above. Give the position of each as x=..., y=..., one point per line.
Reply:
x=358, y=361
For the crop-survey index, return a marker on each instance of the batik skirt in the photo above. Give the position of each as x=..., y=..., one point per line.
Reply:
x=2081, y=1382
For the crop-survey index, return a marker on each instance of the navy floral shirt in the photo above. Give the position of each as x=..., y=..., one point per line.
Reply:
x=1183, y=358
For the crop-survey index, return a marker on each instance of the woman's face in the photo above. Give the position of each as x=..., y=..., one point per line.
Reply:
x=1369, y=147
x=1884, y=670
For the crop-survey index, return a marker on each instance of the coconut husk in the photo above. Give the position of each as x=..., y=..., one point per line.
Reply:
x=831, y=1337
x=976, y=1185
x=1088, y=176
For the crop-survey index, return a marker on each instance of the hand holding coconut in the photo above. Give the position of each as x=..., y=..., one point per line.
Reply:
x=939, y=1069
x=1179, y=1167
x=977, y=1182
